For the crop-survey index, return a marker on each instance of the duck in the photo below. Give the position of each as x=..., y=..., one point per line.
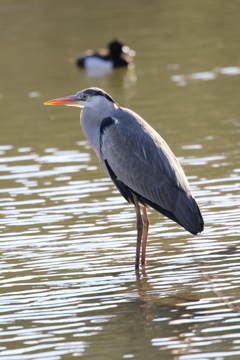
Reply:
x=117, y=55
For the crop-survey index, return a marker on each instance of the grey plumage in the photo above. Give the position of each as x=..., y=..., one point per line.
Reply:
x=142, y=161
x=138, y=160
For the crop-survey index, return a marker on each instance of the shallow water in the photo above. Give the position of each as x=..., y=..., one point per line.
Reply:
x=67, y=238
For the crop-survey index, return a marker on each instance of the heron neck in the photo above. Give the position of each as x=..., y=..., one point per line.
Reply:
x=90, y=121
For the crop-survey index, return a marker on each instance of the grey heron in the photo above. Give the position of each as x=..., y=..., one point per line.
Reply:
x=139, y=162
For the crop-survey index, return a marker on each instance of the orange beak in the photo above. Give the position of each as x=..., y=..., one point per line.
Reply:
x=68, y=100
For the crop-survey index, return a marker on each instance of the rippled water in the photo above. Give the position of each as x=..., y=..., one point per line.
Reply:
x=67, y=266
x=67, y=238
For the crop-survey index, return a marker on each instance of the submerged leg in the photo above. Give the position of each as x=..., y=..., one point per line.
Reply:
x=145, y=234
x=139, y=231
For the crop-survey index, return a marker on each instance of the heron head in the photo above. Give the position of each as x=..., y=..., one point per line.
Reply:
x=91, y=97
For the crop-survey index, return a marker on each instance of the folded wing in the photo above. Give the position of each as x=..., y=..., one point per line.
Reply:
x=139, y=161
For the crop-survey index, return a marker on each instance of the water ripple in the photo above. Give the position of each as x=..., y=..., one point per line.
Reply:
x=67, y=245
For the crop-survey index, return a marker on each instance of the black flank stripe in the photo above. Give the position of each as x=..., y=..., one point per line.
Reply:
x=123, y=189
x=106, y=122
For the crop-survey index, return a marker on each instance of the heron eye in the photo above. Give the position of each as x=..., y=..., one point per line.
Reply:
x=84, y=97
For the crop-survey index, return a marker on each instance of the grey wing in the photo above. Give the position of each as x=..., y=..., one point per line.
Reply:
x=137, y=157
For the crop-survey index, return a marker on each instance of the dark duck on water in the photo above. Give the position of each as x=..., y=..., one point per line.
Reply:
x=117, y=55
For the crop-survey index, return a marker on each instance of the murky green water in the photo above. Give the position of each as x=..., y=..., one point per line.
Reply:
x=67, y=238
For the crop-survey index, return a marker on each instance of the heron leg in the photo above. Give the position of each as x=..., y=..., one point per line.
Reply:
x=145, y=234
x=139, y=231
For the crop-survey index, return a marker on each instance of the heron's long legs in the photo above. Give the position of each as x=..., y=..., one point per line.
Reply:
x=139, y=231
x=145, y=234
